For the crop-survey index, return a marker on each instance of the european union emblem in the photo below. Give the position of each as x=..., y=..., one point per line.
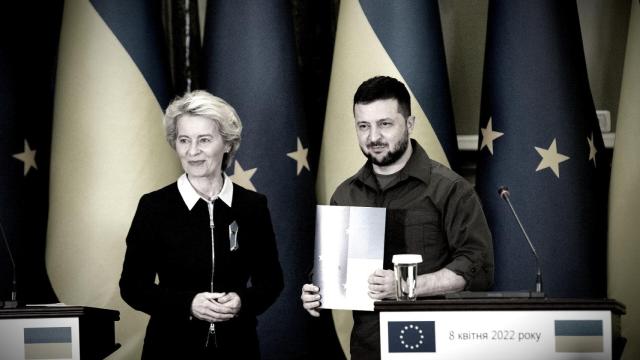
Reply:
x=412, y=336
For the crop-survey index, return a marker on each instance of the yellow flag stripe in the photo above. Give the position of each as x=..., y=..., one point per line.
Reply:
x=108, y=148
x=624, y=194
x=358, y=55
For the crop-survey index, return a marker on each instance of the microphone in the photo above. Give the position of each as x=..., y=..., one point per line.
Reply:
x=13, y=303
x=503, y=191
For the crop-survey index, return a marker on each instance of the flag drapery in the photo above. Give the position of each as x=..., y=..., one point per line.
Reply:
x=624, y=194
x=26, y=113
x=108, y=149
x=539, y=136
x=402, y=39
x=250, y=62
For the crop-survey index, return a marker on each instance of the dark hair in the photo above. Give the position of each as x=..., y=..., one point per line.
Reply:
x=383, y=88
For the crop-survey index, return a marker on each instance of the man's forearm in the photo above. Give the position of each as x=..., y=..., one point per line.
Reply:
x=440, y=282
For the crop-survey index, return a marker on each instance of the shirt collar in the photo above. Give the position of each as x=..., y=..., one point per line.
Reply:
x=419, y=164
x=190, y=196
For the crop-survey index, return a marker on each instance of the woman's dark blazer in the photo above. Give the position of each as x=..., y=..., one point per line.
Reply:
x=169, y=240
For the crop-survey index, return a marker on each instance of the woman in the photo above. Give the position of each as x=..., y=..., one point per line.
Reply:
x=209, y=242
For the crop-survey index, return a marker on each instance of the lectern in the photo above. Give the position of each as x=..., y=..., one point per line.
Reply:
x=501, y=328
x=57, y=332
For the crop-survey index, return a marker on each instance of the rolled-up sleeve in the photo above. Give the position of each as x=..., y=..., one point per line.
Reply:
x=469, y=237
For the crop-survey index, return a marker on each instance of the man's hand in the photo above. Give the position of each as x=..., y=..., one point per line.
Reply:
x=215, y=307
x=311, y=299
x=382, y=285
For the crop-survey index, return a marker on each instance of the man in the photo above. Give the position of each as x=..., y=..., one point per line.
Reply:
x=431, y=210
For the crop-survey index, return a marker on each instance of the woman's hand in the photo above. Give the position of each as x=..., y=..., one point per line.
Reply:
x=216, y=307
x=232, y=302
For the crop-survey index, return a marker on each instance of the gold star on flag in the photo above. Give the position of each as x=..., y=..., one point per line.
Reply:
x=592, y=150
x=551, y=158
x=243, y=177
x=28, y=157
x=488, y=135
x=300, y=156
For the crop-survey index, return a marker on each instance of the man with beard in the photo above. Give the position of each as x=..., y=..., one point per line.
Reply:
x=431, y=210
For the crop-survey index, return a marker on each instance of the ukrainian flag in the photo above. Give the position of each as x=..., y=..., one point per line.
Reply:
x=48, y=343
x=402, y=39
x=624, y=194
x=108, y=149
x=578, y=336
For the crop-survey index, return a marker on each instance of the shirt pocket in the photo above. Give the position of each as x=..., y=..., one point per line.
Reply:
x=423, y=235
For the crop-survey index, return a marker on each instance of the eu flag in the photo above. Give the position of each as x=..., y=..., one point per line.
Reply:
x=26, y=113
x=412, y=336
x=539, y=136
x=250, y=62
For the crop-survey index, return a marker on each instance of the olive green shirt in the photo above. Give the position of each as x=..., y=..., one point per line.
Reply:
x=431, y=211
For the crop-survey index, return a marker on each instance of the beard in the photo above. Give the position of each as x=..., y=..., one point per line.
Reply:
x=392, y=156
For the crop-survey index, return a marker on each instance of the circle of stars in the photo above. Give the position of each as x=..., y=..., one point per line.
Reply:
x=415, y=329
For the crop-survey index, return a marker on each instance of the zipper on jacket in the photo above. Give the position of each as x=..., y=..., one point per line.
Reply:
x=212, y=326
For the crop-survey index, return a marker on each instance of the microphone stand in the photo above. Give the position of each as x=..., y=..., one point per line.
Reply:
x=503, y=191
x=13, y=303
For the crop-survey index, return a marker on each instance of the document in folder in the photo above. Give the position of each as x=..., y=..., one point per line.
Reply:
x=349, y=247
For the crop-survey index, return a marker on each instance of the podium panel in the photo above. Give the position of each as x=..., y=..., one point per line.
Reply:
x=57, y=332
x=48, y=338
x=499, y=329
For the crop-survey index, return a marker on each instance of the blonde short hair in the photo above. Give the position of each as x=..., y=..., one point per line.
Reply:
x=203, y=104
